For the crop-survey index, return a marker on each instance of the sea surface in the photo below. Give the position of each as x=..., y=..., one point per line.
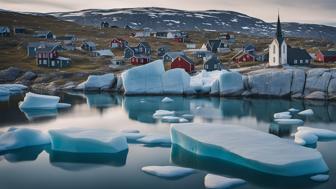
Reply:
x=40, y=167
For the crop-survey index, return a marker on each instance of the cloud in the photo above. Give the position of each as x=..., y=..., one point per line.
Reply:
x=46, y=3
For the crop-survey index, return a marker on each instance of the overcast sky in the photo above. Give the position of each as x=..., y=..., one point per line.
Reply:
x=307, y=11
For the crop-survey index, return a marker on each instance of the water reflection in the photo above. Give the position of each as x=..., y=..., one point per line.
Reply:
x=84, y=161
x=184, y=158
x=34, y=114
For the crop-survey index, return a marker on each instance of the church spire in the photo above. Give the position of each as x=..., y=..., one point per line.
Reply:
x=279, y=35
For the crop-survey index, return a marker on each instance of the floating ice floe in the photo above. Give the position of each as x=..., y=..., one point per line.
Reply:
x=167, y=100
x=174, y=119
x=97, y=82
x=155, y=139
x=16, y=138
x=320, y=178
x=168, y=171
x=289, y=121
x=161, y=113
x=220, y=182
x=308, y=112
x=308, y=135
x=87, y=141
x=293, y=110
x=37, y=101
x=270, y=153
x=282, y=115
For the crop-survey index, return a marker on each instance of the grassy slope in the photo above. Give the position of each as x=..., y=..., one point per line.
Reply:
x=13, y=49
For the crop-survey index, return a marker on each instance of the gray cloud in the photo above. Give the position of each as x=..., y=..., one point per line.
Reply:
x=47, y=3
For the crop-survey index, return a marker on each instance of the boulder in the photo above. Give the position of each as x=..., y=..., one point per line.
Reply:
x=231, y=84
x=317, y=82
x=28, y=76
x=270, y=82
x=10, y=74
x=298, y=83
x=317, y=95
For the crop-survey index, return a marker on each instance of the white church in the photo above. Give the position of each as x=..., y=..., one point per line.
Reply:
x=281, y=54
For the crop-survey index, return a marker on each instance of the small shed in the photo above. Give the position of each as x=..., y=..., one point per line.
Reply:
x=183, y=62
x=243, y=57
x=19, y=30
x=89, y=46
x=4, y=31
x=102, y=53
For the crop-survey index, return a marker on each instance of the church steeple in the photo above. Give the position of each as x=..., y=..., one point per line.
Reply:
x=279, y=35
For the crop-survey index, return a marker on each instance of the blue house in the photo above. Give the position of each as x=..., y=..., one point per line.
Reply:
x=142, y=48
x=89, y=46
x=44, y=35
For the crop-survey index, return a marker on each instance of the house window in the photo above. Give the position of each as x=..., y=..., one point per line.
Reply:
x=301, y=61
x=273, y=59
x=40, y=62
x=307, y=61
x=215, y=66
x=295, y=61
x=45, y=62
x=53, y=63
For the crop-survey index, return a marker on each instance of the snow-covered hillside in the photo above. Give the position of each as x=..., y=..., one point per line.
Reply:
x=211, y=20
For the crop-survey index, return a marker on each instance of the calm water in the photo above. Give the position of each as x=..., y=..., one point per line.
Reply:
x=39, y=167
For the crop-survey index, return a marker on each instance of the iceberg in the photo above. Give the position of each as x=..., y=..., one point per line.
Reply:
x=16, y=138
x=320, y=178
x=248, y=148
x=146, y=79
x=37, y=101
x=308, y=135
x=161, y=113
x=8, y=89
x=220, y=182
x=176, y=81
x=289, y=121
x=168, y=171
x=100, y=82
x=204, y=82
x=155, y=139
x=167, y=100
x=152, y=79
x=87, y=141
x=308, y=112
x=282, y=115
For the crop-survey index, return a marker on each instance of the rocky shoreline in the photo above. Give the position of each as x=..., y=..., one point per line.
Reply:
x=151, y=79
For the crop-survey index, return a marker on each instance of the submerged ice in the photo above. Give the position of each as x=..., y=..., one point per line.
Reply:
x=249, y=148
x=220, y=182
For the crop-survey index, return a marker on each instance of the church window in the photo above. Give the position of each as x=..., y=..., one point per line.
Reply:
x=273, y=49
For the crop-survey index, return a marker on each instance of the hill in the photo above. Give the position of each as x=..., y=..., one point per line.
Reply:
x=210, y=20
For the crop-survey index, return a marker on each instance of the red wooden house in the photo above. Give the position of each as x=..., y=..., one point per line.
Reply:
x=243, y=57
x=118, y=43
x=326, y=56
x=139, y=59
x=183, y=62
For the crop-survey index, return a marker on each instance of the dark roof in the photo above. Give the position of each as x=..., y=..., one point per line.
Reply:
x=214, y=43
x=145, y=44
x=173, y=55
x=249, y=46
x=46, y=48
x=90, y=43
x=297, y=53
x=140, y=56
x=329, y=53
x=186, y=58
